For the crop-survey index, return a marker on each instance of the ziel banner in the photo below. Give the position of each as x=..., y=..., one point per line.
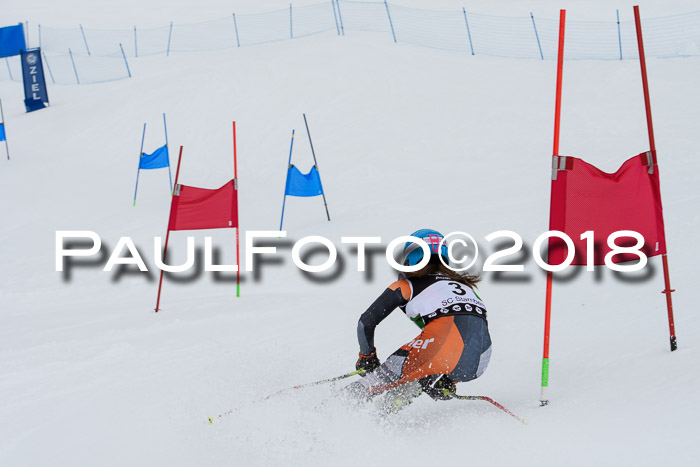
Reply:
x=35, y=95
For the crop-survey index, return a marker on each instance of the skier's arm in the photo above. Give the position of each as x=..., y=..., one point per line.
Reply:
x=395, y=295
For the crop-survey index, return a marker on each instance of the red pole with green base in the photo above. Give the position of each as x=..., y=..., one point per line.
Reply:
x=555, y=152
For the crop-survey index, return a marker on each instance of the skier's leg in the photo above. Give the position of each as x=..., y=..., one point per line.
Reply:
x=382, y=379
x=476, y=353
x=435, y=351
x=449, y=350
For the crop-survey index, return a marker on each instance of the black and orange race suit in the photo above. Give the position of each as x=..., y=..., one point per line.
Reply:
x=455, y=340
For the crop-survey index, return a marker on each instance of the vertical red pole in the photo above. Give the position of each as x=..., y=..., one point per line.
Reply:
x=555, y=152
x=652, y=146
x=167, y=235
x=235, y=175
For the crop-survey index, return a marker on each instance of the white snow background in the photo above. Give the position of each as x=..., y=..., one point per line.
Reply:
x=406, y=138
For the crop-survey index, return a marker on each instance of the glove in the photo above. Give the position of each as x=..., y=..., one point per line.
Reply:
x=367, y=363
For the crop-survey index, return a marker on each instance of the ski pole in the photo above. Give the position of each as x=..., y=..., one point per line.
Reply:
x=298, y=386
x=491, y=401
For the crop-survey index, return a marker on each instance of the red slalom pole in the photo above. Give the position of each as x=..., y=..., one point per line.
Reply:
x=167, y=235
x=555, y=152
x=238, y=228
x=645, y=83
x=652, y=147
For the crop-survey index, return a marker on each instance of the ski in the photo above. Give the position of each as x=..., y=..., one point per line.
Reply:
x=298, y=386
x=491, y=401
x=359, y=372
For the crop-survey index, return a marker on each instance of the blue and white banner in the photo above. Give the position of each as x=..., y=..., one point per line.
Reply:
x=35, y=95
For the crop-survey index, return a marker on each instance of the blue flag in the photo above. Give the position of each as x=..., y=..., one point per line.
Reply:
x=157, y=160
x=2, y=132
x=12, y=40
x=299, y=184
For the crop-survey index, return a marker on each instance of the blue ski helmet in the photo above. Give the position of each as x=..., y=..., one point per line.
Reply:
x=413, y=253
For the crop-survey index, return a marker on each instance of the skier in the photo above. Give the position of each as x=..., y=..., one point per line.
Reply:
x=454, y=344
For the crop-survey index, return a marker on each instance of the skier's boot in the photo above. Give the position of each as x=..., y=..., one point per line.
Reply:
x=439, y=387
x=399, y=397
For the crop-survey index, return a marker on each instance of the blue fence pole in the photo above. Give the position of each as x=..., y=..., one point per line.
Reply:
x=136, y=48
x=138, y=172
x=26, y=32
x=74, y=68
x=39, y=26
x=165, y=128
x=235, y=26
x=335, y=15
x=340, y=17
x=48, y=67
x=8, y=68
x=469, y=34
x=539, y=46
x=170, y=35
x=619, y=36
x=289, y=164
x=84, y=39
x=390, y=22
x=127, y=63
x=291, y=31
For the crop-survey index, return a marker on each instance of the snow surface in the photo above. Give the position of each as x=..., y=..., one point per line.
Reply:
x=406, y=138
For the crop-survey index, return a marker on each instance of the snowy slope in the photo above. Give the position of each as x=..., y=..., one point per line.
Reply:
x=406, y=138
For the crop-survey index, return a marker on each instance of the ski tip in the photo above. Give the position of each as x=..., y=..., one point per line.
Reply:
x=211, y=421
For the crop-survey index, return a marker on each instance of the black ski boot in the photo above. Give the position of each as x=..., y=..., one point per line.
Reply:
x=439, y=387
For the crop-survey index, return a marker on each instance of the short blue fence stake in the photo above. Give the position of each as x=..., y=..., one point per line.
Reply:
x=619, y=36
x=335, y=15
x=8, y=68
x=127, y=63
x=471, y=46
x=170, y=35
x=235, y=27
x=39, y=26
x=136, y=49
x=390, y=22
x=340, y=17
x=537, y=36
x=74, y=68
x=84, y=39
x=291, y=31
